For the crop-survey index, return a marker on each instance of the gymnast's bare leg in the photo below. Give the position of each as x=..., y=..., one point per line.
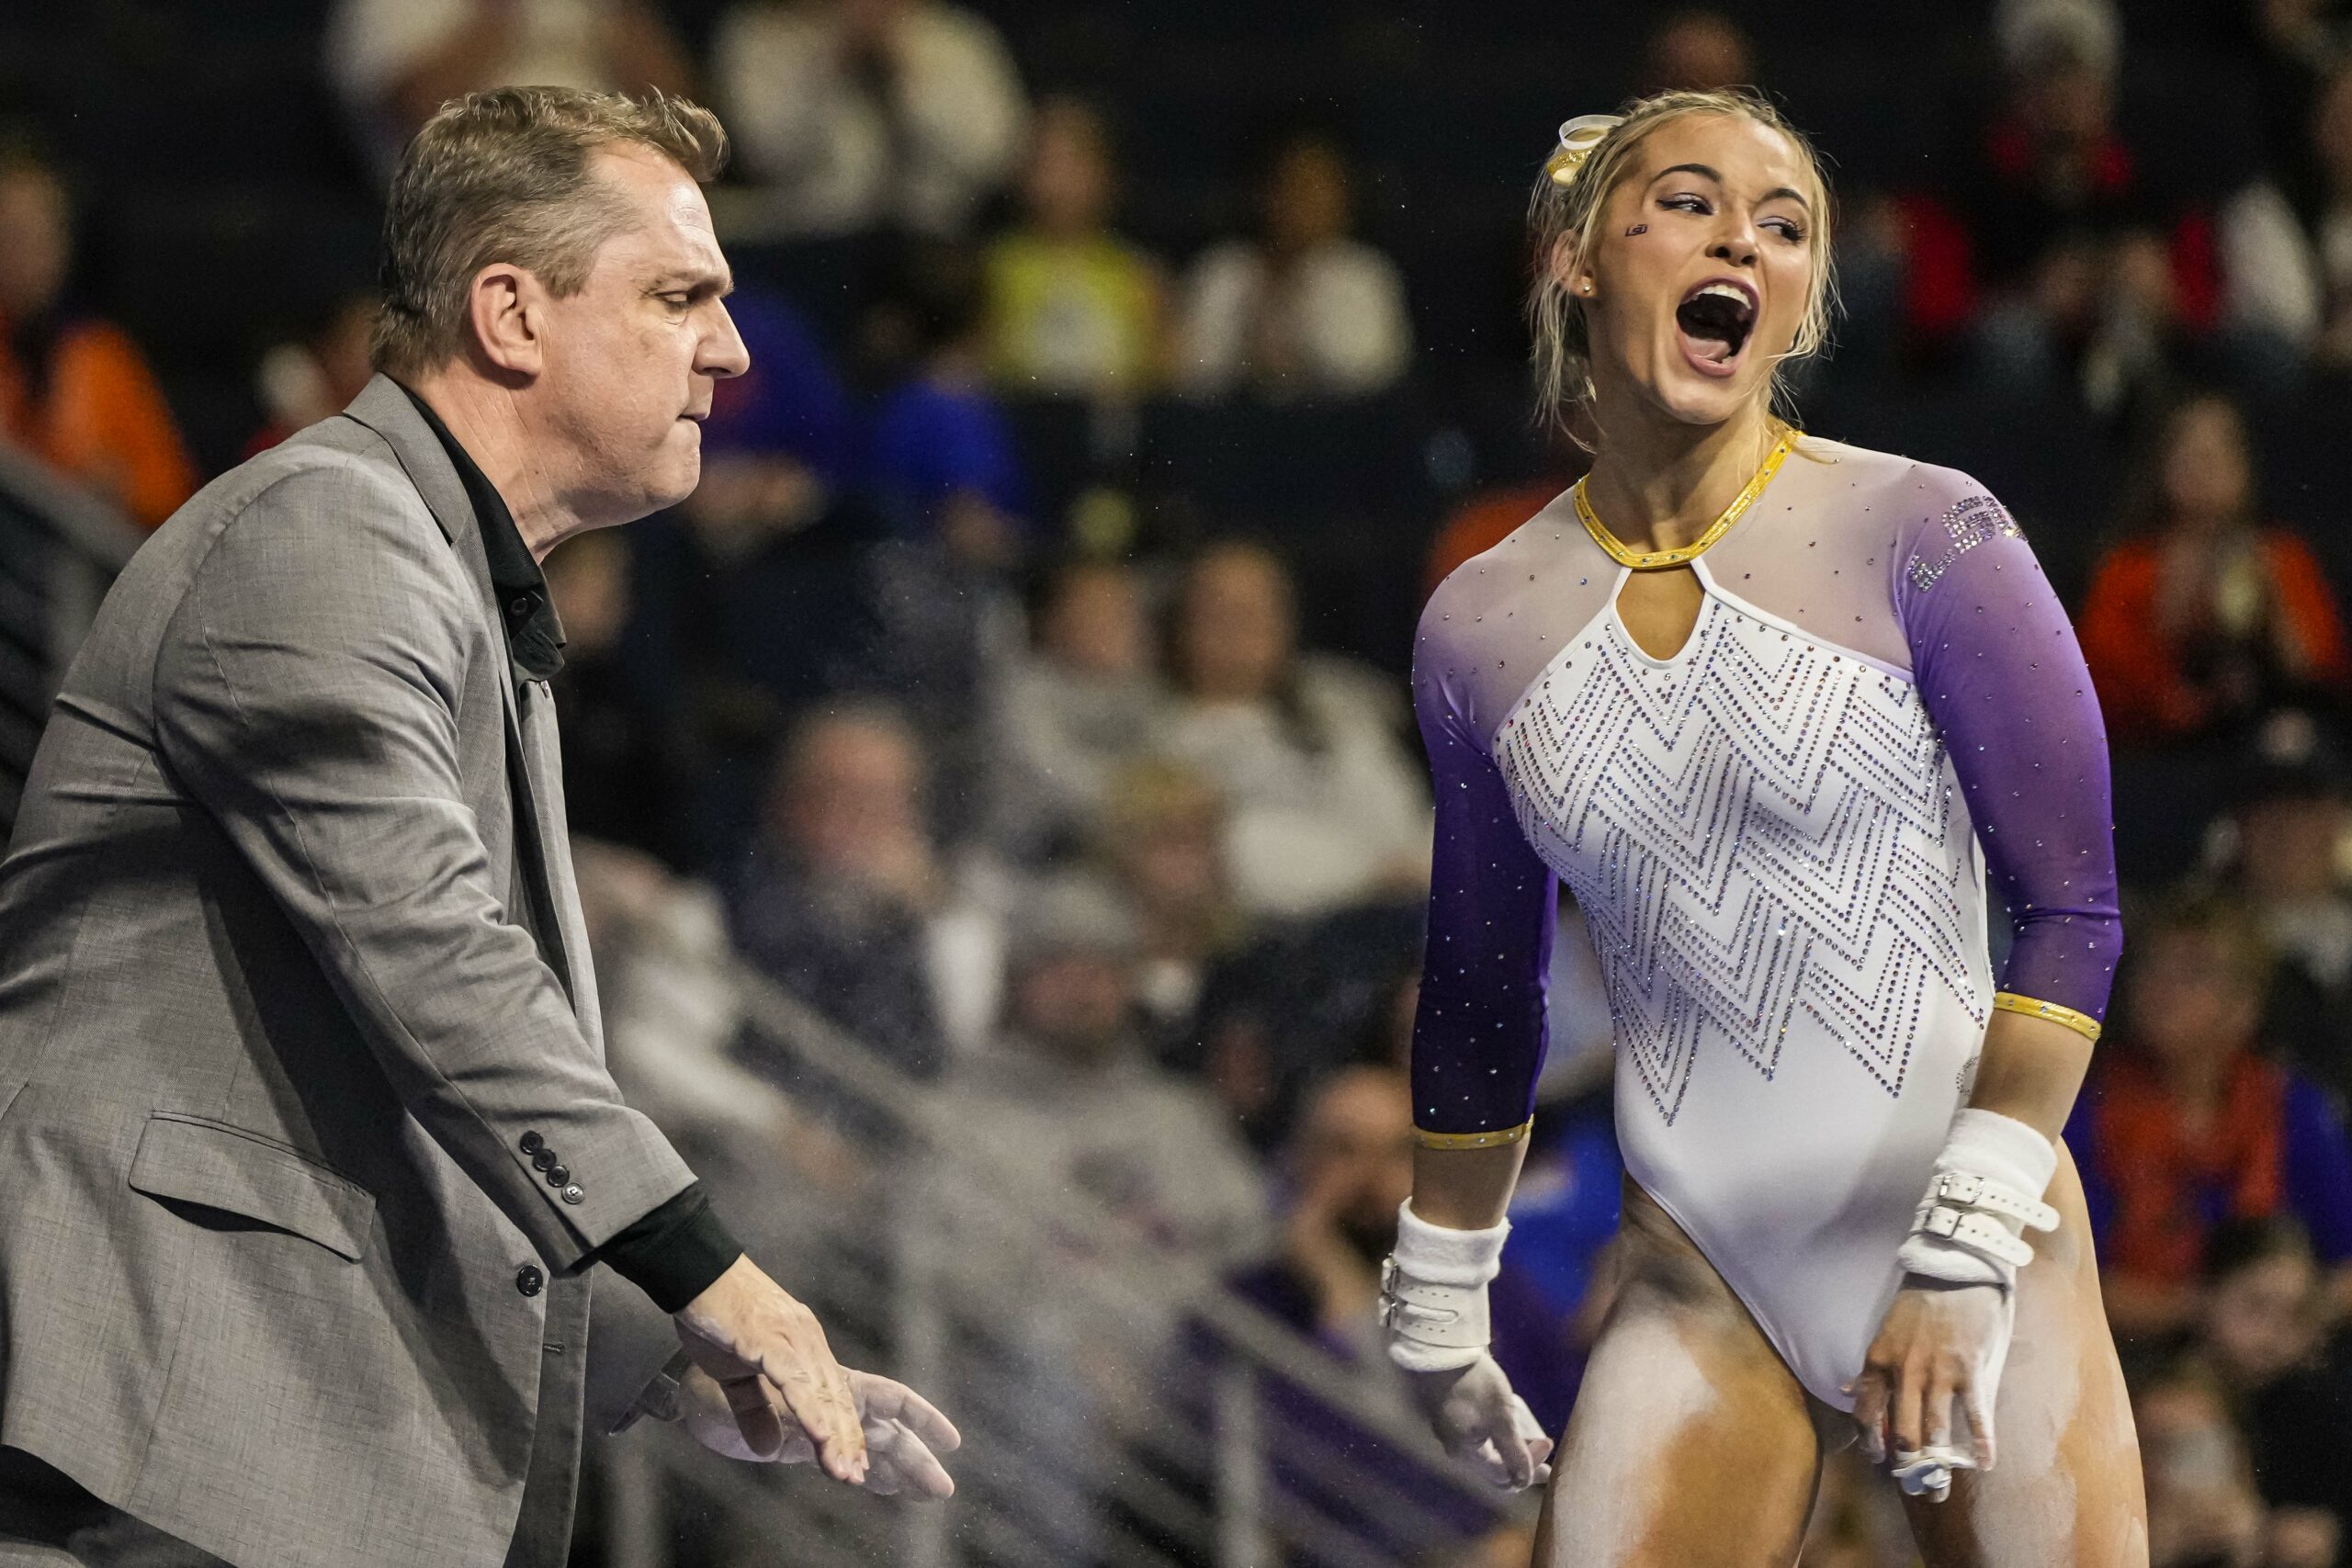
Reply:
x=1694, y=1446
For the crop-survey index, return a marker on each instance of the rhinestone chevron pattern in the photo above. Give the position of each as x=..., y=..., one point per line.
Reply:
x=1760, y=831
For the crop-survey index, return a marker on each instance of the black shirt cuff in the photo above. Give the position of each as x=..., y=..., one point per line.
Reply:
x=675, y=1253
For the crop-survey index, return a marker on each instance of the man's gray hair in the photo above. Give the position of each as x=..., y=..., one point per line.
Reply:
x=503, y=176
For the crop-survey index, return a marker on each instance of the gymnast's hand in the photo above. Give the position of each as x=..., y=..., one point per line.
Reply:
x=1479, y=1418
x=904, y=1433
x=1940, y=1350
x=745, y=1328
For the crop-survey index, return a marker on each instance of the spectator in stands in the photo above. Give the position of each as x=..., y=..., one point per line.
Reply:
x=2320, y=195
x=857, y=116
x=395, y=61
x=2206, y=617
x=2091, y=279
x=943, y=463
x=2203, y=1510
x=313, y=376
x=1159, y=835
x=1074, y=309
x=2240, y=270
x=1325, y=806
x=1346, y=1170
x=1069, y=1101
x=1075, y=709
x=2183, y=1124
x=844, y=901
x=2289, y=833
x=74, y=390
x=624, y=753
x=1304, y=310
x=2299, y=45
x=1699, y=51
x=2285, y=249
x=2021, y=29
x=2262, y=1334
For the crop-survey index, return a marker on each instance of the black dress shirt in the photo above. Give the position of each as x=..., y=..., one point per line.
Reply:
x=675, y=1252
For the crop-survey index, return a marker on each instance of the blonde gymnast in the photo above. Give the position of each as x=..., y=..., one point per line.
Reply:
x=1784, y=715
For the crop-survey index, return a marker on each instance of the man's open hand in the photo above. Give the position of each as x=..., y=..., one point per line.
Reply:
x=904, y=1433
x=744, y=1329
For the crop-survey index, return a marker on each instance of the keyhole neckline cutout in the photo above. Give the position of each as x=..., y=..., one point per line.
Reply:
x=1659, y=560
x=1616, y=611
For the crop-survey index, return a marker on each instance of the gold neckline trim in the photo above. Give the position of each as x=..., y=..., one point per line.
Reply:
x=1657, y=561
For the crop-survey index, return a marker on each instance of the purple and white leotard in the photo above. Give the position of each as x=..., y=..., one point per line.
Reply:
x=1781, y=838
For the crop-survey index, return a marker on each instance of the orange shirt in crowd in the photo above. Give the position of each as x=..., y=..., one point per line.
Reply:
x=2158, y=1185
x=100, y=419
x=2146, y=695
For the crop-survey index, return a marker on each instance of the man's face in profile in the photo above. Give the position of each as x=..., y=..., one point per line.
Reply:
x=632, y=357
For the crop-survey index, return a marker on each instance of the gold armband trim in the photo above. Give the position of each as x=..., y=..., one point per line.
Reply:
x=2081, y=1023
x=1493, y=1140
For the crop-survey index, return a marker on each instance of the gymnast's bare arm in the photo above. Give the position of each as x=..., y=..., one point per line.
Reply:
x=1465, y=1189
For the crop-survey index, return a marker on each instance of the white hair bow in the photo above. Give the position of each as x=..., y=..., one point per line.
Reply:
x=1579, y=137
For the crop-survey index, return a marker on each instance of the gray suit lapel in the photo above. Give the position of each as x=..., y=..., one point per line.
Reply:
x=385, y=409
x=535, y=775
x=543, y=760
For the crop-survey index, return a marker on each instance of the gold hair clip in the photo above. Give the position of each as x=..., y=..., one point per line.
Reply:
x=1579, y=137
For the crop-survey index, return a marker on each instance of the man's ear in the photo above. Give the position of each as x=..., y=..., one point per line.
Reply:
x=508, y=310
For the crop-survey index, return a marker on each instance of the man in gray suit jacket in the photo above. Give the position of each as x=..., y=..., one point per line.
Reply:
x=306, y=1139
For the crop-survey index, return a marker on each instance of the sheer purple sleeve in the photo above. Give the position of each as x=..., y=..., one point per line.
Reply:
x=2003, y=679
x=1479, y=1037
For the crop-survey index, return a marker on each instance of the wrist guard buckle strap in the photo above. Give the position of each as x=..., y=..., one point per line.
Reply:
x=1977, y=1232
x=1451, y=1317
x=1958, y=1189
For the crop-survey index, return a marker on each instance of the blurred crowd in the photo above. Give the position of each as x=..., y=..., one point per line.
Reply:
x=1021, y=690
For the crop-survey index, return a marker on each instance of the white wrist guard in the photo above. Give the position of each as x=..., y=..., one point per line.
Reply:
x=1985, y=1195
x=1433, y=1292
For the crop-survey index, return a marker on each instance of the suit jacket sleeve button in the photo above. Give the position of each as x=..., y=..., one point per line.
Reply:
x=545, y=1160
x=533, y=1142
x=559, y=1175
x=528, y=1280
x=574, y=1194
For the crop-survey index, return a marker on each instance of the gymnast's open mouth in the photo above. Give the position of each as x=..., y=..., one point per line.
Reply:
x=1716, y=317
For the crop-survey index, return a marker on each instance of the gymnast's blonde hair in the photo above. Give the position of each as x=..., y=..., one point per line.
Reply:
x=1566, y=208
